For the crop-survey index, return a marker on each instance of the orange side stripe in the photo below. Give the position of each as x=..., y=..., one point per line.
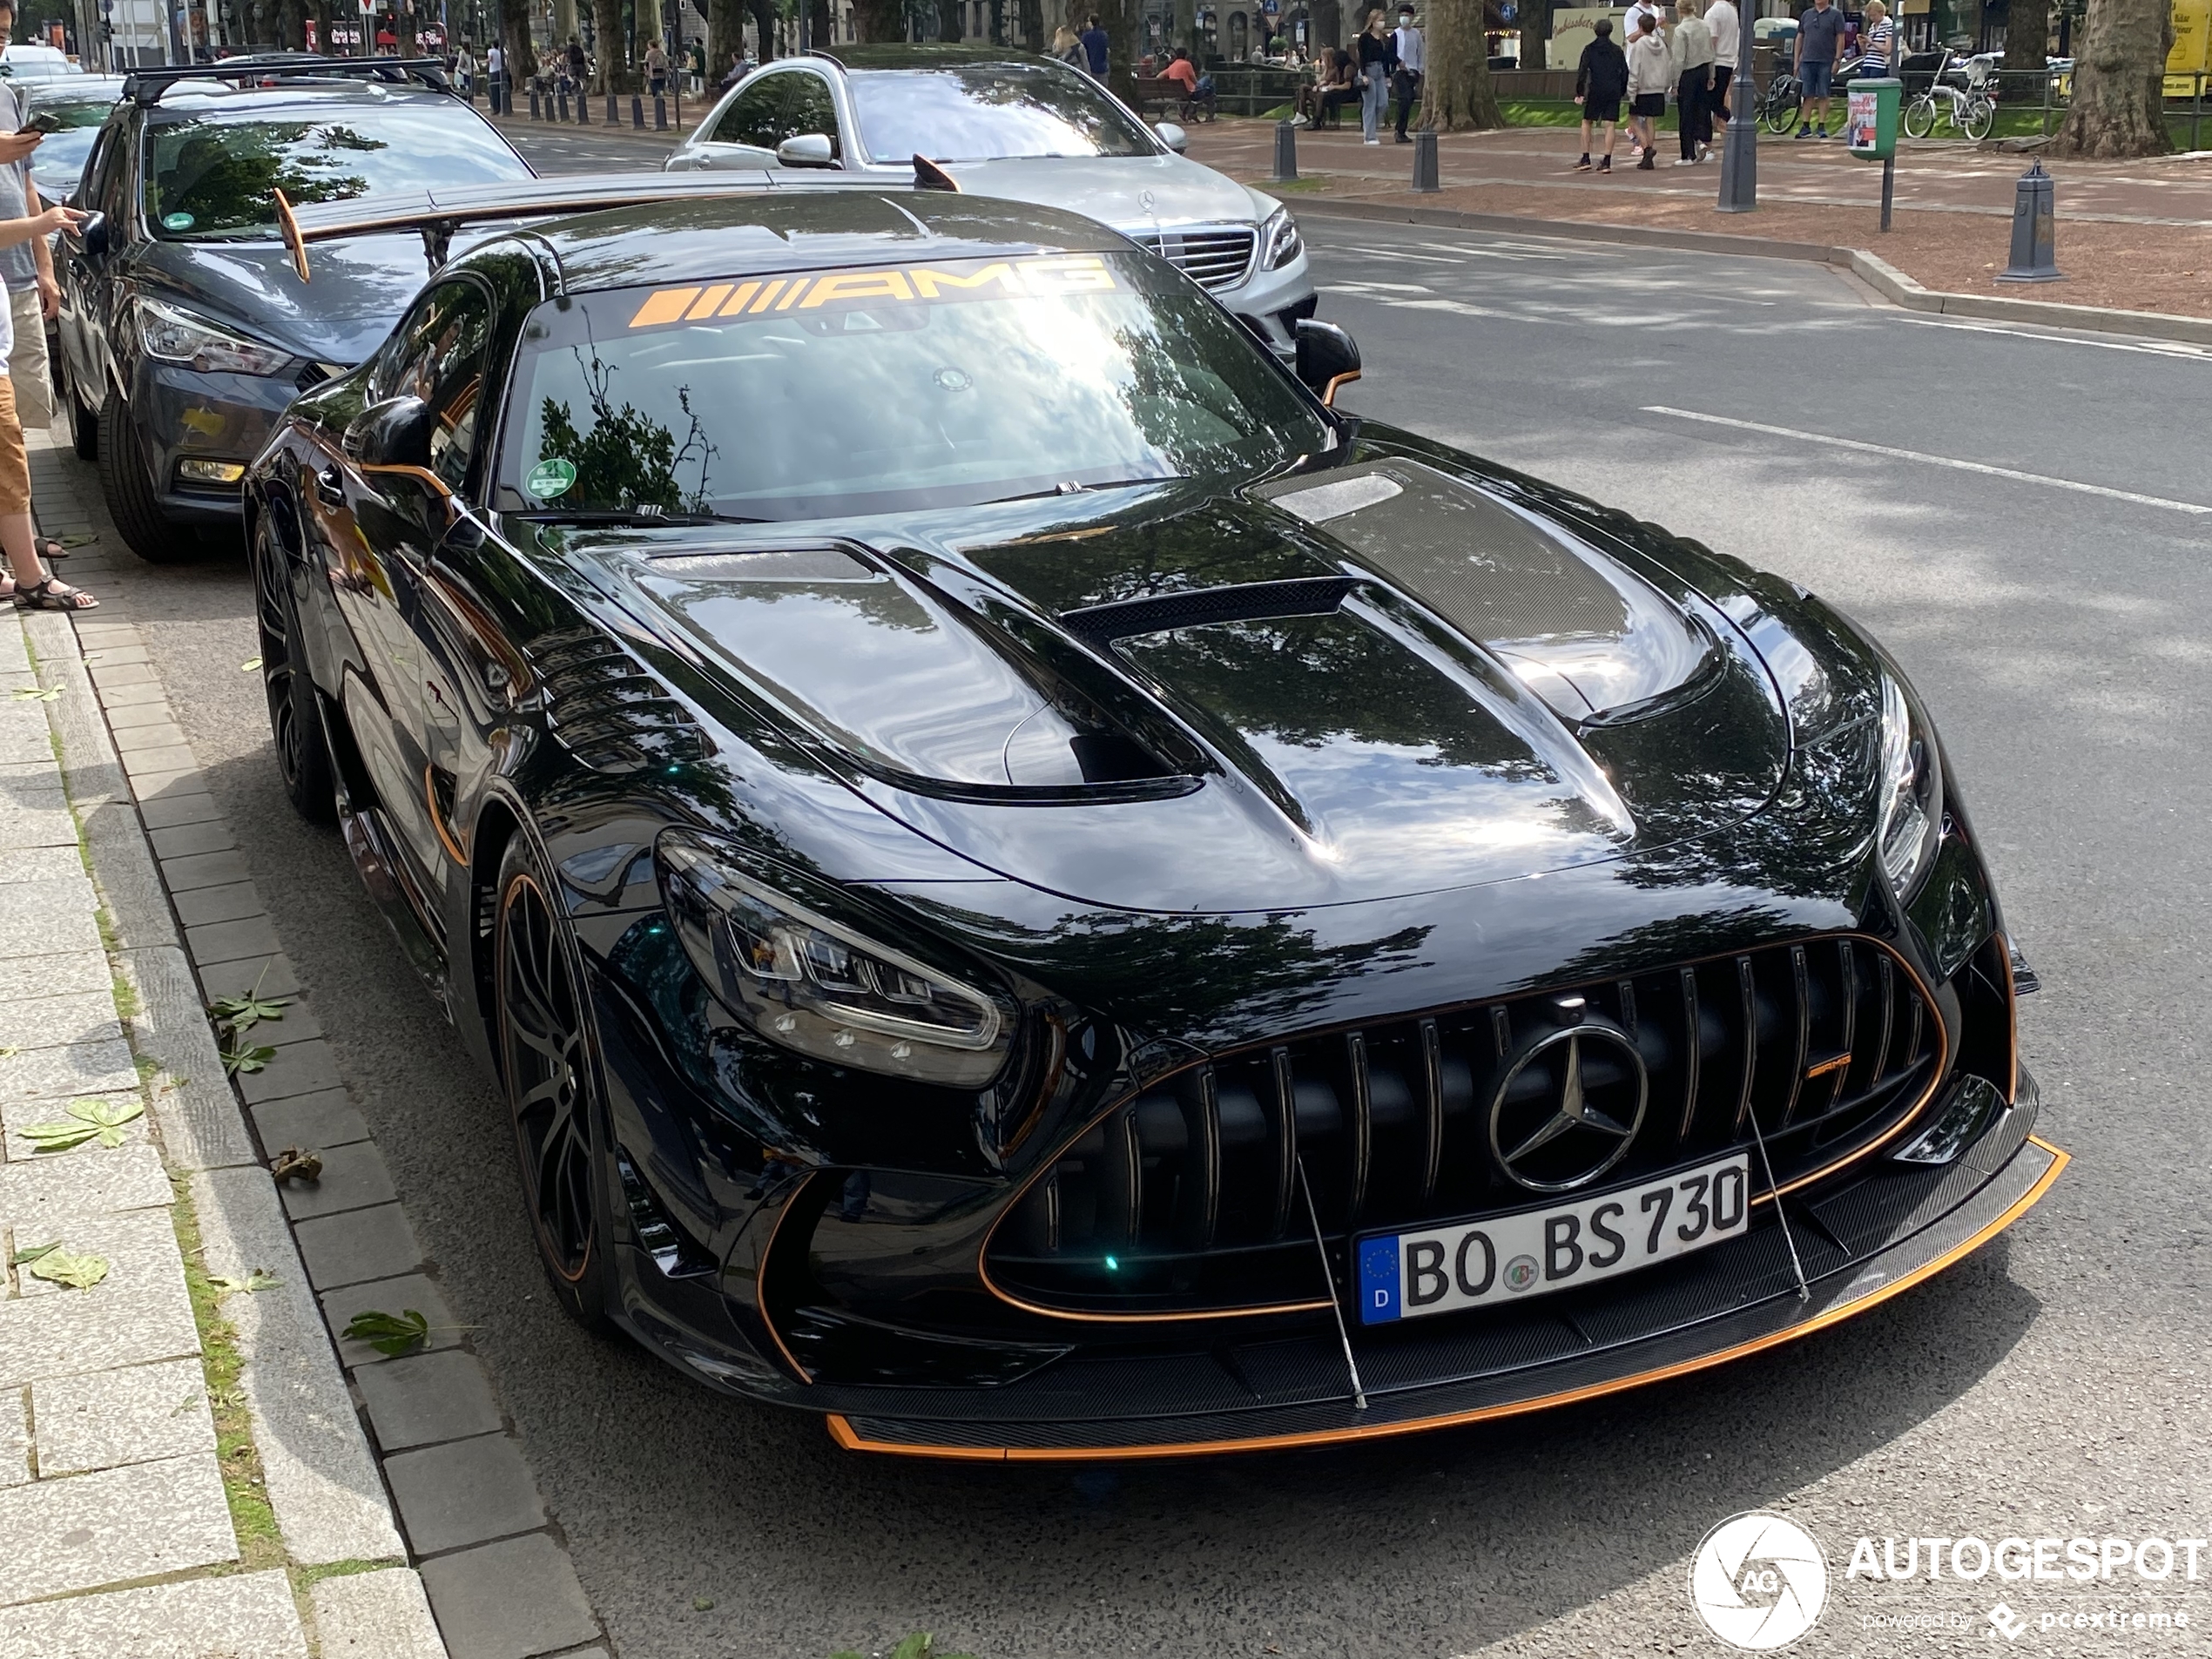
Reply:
x=845, y=1435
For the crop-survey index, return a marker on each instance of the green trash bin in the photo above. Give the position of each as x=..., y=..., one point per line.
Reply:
x=1870, y=117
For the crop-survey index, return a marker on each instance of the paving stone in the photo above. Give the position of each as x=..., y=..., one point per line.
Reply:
x=354, y=1177
x=125, y=674
x=270, y=974
x=412, y=1290
x=468, y=1492
x=129, y=715
x=107, y=1325
x=50, y=917
x=251, y=1616
x=61, y=1074
x=508, y=1601
x=91, y=1180
x=55, y=1021
x=39, y=863
x=154, y=786
x=36, y=824
x=193, y=1105
x=230, y=902
x=425, y=1399
x=375, y=1615
x=214, y=869
x=139, y=691
x=164, y=734
x=99, y=657
x=86, y=1530
x=360, y=1245
x=107, y=1418
x=228, y=941
x=139, y=1247
x=60, y=974
x=323, y=1483
x=298, y=1069
x=15, y=1439
x=174, y=811
x=298, y=1023
x=313, y=1122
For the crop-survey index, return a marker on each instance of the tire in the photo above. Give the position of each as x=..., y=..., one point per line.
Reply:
x=84, y=421
x=1919, y=118
x=1981, y=115
x=1781, y=114
x=126, y=480
x=546, y=1063
x=295, y=723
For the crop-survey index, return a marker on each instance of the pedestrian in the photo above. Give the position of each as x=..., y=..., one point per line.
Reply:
x=1094, y=42
x=1880, y=35
x=1690, y=56
x=579, y=67
x=655, y=70
x=1413, y=65
x=1725, y=23
x=26, y=266
x=1377, y=57
x=696, y=57
x=738, y=71
x=1067, y=48
x=1648, y=77
x=1820, y=48
x=28, y=583
x=495, y=74
x=464, y=70
x=1600, y=80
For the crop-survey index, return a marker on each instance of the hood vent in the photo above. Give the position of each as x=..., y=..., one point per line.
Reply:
x=1100, y=625
x=608, y=709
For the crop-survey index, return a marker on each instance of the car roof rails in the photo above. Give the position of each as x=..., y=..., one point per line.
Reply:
x=145, y=86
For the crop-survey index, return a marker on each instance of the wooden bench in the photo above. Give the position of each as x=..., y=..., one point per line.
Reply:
x=1157, y=92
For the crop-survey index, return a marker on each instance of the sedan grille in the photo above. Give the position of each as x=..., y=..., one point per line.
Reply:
x=1191, y=1197
x=1212, y=258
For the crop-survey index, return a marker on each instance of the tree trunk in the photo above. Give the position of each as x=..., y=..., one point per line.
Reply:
x=514, y=35
x=323, y=41
x=821, y=26
x=951, y=21
x=724, y=34
x=1123, y=22
x=2028, y=35
x=289, y=36
x=606, y=44
x=1033, y=24
x=403, y=28
x=879, y=19
x=1537, y=34
x=1328, y=23
x=1456, y=94
x=2119, y=107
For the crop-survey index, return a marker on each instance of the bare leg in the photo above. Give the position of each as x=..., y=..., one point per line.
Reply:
x=17, y=541
x=1608, y=139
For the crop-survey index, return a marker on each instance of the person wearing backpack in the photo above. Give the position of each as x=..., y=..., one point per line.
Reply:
x=1601, y=81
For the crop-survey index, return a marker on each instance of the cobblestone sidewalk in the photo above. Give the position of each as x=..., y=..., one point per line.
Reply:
x=182, y=1473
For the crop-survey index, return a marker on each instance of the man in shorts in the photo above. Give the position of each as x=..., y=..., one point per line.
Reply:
x=1820, y=48
x=1601, y=81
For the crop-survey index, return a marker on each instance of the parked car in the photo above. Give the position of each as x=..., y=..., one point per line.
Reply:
x=27, y=61
x=81, y=104
x=1023, y=128
x=1033, y=888
x=184, y=330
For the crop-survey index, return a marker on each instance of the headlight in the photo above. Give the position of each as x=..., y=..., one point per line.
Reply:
x=819, y=987
x=1911, y=791
x=176, y=335
x=1278, y=241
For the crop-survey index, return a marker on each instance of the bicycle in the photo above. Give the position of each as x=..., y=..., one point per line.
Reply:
x=1779, y=108
x=1970, y=109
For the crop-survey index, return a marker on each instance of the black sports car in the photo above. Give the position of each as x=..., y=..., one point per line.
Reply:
x=1039, y=891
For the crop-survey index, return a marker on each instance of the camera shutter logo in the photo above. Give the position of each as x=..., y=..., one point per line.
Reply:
x=1758, y=1582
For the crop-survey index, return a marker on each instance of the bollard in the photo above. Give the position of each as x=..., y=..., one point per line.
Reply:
x=535, y=113
x=2034, y=207
x=636, y=112
x=613, y=110
x=660, y=113
x=1285, y=154
x=561, y=96
x=1425, y=161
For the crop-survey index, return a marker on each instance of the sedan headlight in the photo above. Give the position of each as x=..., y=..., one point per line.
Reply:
x=1278, y=241
x=821, y=986
x=176, y=335
x=1911, y=791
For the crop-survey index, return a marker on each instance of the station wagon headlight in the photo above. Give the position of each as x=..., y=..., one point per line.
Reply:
x=175, y=335
x=1911, y=791
x=809, y=983
x=1278, y=241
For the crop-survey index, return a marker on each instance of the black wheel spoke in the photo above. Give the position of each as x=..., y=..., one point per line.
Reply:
x=546, y=1068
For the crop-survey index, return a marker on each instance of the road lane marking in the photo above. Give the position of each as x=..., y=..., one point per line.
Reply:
x=1932, y=460
x=2156, y=348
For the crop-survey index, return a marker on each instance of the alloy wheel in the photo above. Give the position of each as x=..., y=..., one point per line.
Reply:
x=545, y=1060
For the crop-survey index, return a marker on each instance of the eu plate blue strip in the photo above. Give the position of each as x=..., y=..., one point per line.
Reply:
x=1378, y=1280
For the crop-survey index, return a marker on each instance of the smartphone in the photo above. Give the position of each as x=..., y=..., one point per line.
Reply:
x=43, y=122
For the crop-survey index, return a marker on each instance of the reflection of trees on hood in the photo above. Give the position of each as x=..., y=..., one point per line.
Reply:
x=224, y=177
x=627, y=459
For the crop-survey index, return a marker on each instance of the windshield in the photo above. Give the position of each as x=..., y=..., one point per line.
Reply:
x=987, y=112
x=888, y=389
x=214, y=177
x=61, y=153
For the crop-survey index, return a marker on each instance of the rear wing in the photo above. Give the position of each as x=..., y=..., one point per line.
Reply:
x=146, y=85
x=438, y=214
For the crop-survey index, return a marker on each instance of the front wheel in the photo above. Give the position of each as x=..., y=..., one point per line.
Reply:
x=1781, y=113
x=127, y=481
x=295, y=723
x=1919, y=118
x=1981, y=115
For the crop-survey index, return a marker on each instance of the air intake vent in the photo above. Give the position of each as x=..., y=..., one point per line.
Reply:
x=609, y=711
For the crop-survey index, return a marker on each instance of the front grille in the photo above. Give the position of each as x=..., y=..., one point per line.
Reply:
x=1188, y=1198
x=1212, y=259
x=607, y=709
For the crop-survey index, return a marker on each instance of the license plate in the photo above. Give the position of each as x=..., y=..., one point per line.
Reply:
x=1501, y=1259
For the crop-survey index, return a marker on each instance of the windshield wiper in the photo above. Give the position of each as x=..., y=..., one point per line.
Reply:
x=1072, y=488
x=630, y=516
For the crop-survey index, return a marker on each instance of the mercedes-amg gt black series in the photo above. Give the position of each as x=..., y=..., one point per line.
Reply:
x=1038, y=889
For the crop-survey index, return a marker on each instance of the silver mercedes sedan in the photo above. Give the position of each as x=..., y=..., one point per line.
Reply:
x=1028, y=129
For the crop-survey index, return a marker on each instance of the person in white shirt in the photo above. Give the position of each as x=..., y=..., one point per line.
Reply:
x=495, y=73
x=1413, y=62
x=1727, y=23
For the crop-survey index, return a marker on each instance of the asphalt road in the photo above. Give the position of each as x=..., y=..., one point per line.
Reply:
x=2055, y=1383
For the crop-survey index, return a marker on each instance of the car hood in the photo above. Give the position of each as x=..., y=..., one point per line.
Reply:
x=1380, y=680
x=358, y=286
x=1132, y=194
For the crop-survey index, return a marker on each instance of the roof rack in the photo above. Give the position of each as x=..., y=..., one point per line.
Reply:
x=145, y=86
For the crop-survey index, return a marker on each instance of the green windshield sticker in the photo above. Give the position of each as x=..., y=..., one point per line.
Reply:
x=177, y=222
x=550, y=478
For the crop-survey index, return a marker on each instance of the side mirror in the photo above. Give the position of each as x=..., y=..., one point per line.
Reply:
x=1327, y=358
x=91, y=236
x=395, y=433
x=807, y=149
x=1172, y=135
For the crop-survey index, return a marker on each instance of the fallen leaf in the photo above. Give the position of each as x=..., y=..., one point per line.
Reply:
x=94, y=1120
x=7, y=1053
x=78, y=1273
x=259, y=1279
x=293, y=1164
x=249, y=666
x=238, y=1060
x=702, y=1604
x=390, y=1334
x=31, y=1253
x=33, y=694
x=241, y=1014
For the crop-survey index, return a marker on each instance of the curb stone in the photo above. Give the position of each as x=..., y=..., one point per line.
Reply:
x=1883, y=277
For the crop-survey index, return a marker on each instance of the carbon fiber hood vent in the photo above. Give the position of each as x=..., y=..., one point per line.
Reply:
x=607, y=709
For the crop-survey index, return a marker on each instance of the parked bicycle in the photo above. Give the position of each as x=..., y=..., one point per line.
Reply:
x=1970, y=109
x=1779, y=108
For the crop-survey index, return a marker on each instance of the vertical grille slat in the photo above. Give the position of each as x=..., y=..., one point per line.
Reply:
x=1190, y=1188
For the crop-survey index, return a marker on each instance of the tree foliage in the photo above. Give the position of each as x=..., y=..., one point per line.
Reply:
x=2119, y=107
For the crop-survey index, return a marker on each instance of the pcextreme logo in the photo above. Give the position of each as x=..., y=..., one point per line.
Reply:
x=1758, y=1582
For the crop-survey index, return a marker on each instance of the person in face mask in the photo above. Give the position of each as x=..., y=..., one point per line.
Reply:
x=1412, y=62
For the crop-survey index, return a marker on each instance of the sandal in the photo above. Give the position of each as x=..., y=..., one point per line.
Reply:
x=53, y=594
x=49, y=549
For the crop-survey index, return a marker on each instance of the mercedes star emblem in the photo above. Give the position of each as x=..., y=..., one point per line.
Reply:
x=1144, y=200
x=1571, y=1129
